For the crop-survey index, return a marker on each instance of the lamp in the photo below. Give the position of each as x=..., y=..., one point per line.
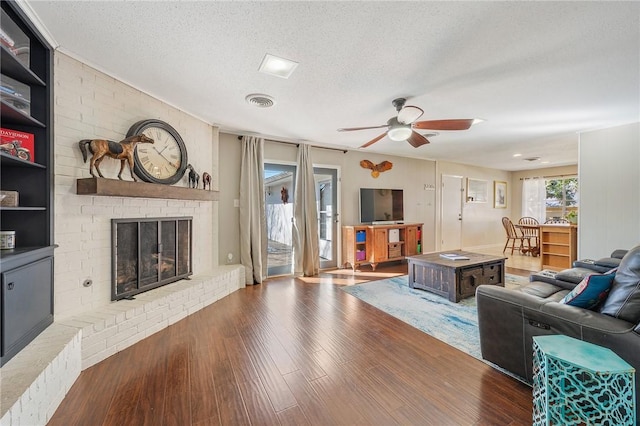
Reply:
x=400, y=132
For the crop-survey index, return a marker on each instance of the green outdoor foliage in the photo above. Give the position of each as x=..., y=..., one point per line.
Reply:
x=562, y=198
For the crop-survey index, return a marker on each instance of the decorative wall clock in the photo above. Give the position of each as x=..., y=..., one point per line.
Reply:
x=164, y=161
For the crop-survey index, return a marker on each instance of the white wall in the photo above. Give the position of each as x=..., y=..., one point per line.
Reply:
x=90, y=104
x=609, y=173
x=229, y=215
x=481, y=222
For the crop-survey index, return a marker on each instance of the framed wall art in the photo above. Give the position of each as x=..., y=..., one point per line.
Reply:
x=499, y=194
x=477, y=191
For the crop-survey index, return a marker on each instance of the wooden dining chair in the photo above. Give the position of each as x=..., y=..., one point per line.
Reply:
x=530, y=233
x=512, y=235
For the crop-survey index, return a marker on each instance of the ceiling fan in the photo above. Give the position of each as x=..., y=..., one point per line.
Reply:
x=400, y=128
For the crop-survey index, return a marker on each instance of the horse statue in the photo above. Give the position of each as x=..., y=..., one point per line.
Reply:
x=122, y=151
x=206, y=180
x=194, y=178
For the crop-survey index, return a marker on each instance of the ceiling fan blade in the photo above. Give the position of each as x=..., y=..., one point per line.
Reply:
x=460, y=124
x=409, y=114
x=416, y=140
x=374, y=140
x=348, y=129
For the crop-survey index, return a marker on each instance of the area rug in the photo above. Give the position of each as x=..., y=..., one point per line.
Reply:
x=456, y=324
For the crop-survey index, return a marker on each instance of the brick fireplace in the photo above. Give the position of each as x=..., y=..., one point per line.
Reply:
x=149, y=253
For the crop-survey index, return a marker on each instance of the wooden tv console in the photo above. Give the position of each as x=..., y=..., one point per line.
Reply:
x=373, y=244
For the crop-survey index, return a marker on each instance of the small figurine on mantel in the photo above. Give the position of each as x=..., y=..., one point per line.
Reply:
x=206, y=180
x=194, y=177
x=122, y=151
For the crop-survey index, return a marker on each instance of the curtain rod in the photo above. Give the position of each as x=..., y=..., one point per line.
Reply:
x=344, y=151
x=550, y=176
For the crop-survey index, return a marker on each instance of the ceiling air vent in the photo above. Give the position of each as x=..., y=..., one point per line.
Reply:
x=531, y=159
x=260, y=100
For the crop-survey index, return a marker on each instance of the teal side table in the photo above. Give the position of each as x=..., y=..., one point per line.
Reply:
x=578, y=383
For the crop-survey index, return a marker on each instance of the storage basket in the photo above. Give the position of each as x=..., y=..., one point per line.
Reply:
x=394, y=250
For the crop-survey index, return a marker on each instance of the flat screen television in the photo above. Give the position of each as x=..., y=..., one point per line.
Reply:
x=380, y=205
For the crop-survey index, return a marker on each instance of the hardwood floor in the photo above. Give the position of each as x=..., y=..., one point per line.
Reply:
x=294, y=352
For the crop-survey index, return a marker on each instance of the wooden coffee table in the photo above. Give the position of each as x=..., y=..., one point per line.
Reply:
x=455, y=279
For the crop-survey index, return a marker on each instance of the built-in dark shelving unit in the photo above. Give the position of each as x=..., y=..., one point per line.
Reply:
x=27, y=271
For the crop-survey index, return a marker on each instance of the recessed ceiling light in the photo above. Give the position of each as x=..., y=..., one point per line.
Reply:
x=517, y=155
x=544, y=162
x=260, y=100
x=277, y=66
x=477, y=121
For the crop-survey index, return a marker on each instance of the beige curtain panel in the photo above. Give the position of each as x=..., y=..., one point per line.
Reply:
x=306, y=252
x=253, y=227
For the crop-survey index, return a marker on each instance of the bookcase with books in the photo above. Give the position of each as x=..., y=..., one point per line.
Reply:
x=26, y=181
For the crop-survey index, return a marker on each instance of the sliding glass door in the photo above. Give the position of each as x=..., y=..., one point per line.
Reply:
x=279, y=185
x=327, y=200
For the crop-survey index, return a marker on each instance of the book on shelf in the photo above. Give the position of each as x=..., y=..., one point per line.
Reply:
x=15, y=143
x=453, y=256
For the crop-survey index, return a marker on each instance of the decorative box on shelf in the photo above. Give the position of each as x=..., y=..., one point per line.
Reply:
x=16, y=94
x=9, y=198
x=14, y=39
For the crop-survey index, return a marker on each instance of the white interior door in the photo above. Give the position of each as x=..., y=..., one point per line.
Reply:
x=451, y=223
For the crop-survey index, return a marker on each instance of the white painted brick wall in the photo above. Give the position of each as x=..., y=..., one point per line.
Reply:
x=88, y=105
x=88, y=327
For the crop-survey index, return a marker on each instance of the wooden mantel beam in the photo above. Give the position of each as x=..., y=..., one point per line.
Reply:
x=124, y=188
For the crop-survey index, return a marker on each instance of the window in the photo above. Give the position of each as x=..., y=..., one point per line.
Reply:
x=324, y=212
x=561, y=196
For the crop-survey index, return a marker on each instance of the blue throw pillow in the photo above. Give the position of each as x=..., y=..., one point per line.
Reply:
x=591, y=291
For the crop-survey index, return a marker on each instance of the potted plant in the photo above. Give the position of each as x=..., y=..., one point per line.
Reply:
x=572, y=217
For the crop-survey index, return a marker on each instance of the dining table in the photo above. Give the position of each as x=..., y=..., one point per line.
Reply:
x=531, y=232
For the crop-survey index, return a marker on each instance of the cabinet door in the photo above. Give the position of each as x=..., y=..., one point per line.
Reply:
x=27, y=304
x=348, y=245
x=411, y=241
x=380, y=245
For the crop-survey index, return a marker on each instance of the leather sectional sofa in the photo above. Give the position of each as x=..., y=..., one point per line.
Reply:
x=509, y=318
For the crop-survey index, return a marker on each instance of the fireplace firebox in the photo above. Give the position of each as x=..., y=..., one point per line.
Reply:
x=149, y=252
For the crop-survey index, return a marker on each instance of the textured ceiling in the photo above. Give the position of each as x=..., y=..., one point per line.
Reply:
x=537, y=72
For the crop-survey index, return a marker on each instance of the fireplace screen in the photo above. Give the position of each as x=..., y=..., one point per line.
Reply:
x=148, y=253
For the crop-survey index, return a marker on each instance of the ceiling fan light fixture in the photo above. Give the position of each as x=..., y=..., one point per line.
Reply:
x=400, y=133
x=409, y=114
